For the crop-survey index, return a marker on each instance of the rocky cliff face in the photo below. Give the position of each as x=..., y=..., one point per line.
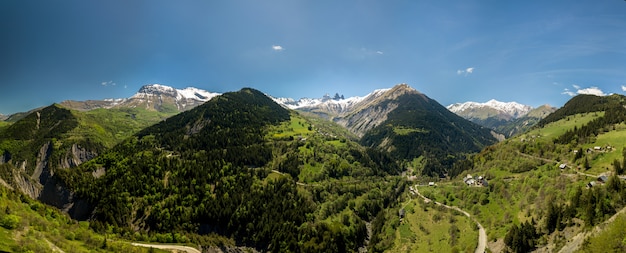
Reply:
x=76, y=155
x=43, y=186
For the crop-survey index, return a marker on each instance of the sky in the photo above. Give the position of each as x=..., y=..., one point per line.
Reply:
x=532, y=52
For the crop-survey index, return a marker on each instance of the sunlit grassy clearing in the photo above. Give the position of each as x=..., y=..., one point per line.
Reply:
x=399, y=130
x=603, y=160
x=296, y=126
x=432, y=228
x=556, y=129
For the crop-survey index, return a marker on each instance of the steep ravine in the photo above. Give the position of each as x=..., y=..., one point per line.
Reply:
x=44, y=186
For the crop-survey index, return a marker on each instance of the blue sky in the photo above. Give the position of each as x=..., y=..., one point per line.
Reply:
x=532, y=52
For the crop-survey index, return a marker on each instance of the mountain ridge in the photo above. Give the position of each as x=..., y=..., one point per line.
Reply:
x=152, y=96
x=471, y=109
x=508, y=118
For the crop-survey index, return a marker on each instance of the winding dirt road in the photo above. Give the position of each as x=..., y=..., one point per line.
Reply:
x=482, y=234
x=176, y=248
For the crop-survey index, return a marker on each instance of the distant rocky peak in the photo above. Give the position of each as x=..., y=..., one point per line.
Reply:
x=402, y=89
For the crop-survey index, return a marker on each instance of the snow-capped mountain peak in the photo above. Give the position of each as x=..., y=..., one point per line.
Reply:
x=187, y=93
x=153, y=95
x=512, y=109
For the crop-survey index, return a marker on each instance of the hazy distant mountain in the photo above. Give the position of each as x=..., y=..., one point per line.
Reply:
x=152, y=97
x=490, y=109
x=508, y=118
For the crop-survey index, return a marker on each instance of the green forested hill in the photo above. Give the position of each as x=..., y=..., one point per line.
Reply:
x=421, y=127
x=552, y=183
x=244, y=168
x=53, y=136
x=583, y=104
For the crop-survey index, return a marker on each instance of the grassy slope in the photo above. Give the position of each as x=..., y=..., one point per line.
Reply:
x=110, y=126
x=311, y=129
x=611, y=239
x=515, y=197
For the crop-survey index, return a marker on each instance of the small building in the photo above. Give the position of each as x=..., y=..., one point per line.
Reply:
x=431, y=183
x=401, y=213
x=591, y=184
x=562, y=166
x=603, y=179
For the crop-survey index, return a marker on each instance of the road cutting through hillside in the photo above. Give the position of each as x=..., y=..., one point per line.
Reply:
x=482, y=234
x=175, y=248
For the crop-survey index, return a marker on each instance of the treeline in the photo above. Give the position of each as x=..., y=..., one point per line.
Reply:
x=583, y=104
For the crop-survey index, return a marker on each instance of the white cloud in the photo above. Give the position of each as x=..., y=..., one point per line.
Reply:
x=109, y=83
x=466, y=71
x=591, y=91
x=277, y=48
x=380, y=52
x=587, y=91
x=623, y=87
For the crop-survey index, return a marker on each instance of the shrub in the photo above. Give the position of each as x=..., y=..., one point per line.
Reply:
x=10, y=221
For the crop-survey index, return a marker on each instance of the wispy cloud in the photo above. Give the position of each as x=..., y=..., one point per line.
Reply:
x=466, y=71
x=109, y=83
x=587, y=91
x=568, y=92
x=362, y=53
x=623, y=87
x=277, y=48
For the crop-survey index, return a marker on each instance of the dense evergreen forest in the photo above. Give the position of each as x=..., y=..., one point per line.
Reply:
x=211, y=171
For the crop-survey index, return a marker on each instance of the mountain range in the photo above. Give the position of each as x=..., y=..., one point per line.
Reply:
x=151, y=97
x=508, y=118
x=274, y=174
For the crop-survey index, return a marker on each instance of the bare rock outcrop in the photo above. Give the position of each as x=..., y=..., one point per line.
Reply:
x=76, y=155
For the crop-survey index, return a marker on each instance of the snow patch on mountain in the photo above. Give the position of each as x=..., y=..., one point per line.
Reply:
x=197, y=94
x=513, y=109
x=315, y=102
